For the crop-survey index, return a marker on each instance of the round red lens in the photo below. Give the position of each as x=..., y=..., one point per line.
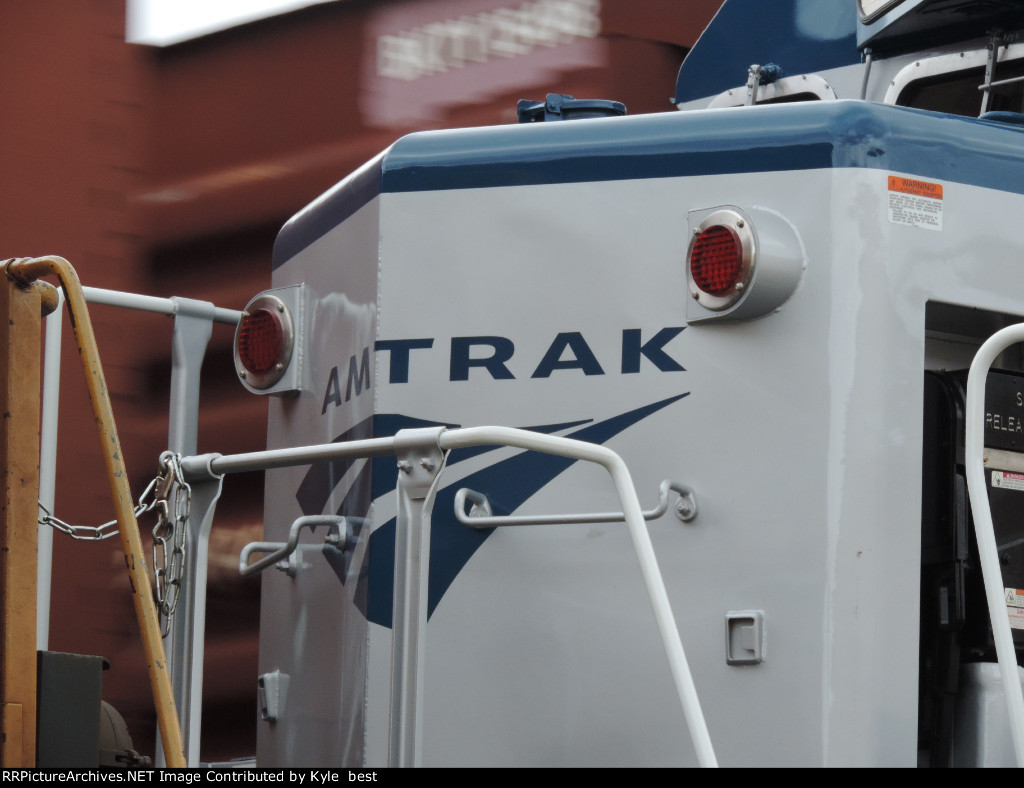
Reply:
x=716, y=262
x=260, y=341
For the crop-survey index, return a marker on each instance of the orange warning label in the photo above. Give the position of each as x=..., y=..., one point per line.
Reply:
x=919, y=188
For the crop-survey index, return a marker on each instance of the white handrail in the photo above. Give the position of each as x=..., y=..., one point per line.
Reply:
x=205, y=466
x=145, y=303
x=988, y=553
x=613, y=463
x=686, y=509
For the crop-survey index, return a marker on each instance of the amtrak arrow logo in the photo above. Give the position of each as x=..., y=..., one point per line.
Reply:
x=508, y=483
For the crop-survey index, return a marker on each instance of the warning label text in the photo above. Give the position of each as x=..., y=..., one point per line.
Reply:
x=915, y=203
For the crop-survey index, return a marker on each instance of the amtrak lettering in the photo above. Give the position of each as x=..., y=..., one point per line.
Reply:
x=569, y=350
x=358, y=379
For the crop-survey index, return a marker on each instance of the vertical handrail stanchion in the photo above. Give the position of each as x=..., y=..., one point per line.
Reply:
x=48, y=467
x=988, y=552
x=193, y=327
x=419, y=466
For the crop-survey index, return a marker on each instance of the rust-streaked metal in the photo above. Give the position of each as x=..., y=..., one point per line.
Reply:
x=48, y=299
x=27, y=270
x=20, y=346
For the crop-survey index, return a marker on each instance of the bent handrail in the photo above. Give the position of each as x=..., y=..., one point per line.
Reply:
x=207, y=466
x=988, y=552
x=279, y=550
x=653, y=580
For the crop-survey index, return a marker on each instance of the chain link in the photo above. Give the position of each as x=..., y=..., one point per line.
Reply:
x=171, y=497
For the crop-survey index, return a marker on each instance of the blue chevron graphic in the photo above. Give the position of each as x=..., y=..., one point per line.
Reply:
x=452, y=544
x=375, y=478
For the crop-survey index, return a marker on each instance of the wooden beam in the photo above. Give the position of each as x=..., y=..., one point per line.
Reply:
x=20, y=349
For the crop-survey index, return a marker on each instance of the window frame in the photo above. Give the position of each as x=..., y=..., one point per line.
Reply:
x=780, y=88
x=949, y=63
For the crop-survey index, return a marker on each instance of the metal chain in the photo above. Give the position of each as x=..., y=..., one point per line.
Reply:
x=95, y=533
x=85, y=533
x=170, y=534
x=171, y=496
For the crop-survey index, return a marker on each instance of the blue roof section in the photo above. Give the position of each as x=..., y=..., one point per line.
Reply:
x=800, y=36
x=785, y=137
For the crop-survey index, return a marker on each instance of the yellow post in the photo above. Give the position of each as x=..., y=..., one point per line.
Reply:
x=28, y=270
x=20, y=348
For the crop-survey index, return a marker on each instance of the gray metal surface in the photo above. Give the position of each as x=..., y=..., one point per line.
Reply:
x=827, y=567
x=802, y=430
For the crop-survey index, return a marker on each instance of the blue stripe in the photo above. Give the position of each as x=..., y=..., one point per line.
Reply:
x=805, y=136
x=645, y=146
